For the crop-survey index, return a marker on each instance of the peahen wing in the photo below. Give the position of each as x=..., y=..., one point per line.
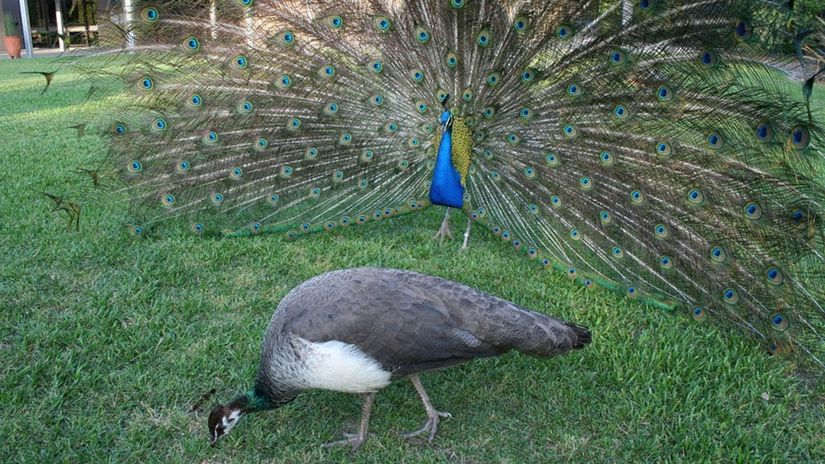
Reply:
x=661, y=155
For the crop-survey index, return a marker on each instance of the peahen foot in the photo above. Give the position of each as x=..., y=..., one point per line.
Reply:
x=433, y=415
x=356, y=440
x=444, y=231
x=467, y=234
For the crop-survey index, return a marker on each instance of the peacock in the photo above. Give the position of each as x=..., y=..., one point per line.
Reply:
x=653, y=147
x=356, y=330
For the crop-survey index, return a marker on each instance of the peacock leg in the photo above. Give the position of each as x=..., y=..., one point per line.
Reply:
x=467, y=233
x=433, y=415
x=357, y=439
x=444, y=230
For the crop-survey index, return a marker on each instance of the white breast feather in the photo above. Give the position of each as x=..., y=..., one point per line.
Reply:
x=339, y=366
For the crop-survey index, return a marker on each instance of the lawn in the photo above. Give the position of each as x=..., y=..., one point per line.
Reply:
x=107, y=342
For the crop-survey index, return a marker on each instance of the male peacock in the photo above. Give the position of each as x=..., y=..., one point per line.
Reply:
x=651, y=149
x=357, y=329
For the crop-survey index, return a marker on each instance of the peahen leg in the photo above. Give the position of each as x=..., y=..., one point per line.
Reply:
x=467, y=233
x=433, y=415
x=357, y=439
x=444, y=230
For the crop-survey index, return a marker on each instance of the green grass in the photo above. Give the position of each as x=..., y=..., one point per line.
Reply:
x=106, y=342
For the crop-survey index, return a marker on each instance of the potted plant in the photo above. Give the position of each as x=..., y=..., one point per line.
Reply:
x=12, y=40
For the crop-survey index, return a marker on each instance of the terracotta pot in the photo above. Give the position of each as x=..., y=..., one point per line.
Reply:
x=13, y=45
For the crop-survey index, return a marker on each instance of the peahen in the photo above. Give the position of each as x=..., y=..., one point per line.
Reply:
x=355, y=330
x=651, y=147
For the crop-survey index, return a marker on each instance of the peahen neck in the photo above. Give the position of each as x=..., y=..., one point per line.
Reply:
x=253, y=400
x=446, y=188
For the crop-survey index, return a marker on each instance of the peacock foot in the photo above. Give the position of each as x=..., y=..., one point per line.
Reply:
x=443, y=231
x=431, y=425
x=355, y=440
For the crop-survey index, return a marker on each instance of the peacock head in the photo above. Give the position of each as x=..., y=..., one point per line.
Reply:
x=222, y=419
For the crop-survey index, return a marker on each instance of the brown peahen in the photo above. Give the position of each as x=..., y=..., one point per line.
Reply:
x=652, y=147
x=356, y=330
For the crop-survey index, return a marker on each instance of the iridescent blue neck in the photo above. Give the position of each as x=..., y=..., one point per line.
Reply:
x=446, y=188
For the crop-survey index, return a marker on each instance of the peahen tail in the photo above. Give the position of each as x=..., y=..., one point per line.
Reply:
x=651, y=147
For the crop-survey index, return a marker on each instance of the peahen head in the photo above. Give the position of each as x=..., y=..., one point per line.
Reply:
x=224, y=417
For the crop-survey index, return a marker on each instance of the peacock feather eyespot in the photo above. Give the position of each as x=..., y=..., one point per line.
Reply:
x=442, y=95
x=632, y=292
x=505, y=235
x=273, y=199
x=305, y=227
x=730, y=296
x=210, y=138
x=617, y=252
x=421, y=106
x=311, y=153
x=345, y=138
x=493, y=79
x=708, y=59
x=664, y=93
x=286, y=38
x=488, y=112
x=240, y=62
x=255, y=227
x=698, y=313
x=417, y=75
x=217, y=199
x=315, y=192
x=588, y=283
x=495, y=176
x=586, y=183
x=381, y=23
x=159, y=125
x=774, y=275
x=245, y=107
x=118, y=129
x=484, y=38
x=331, y=109
x=574, y=90
x=457, y=4
x=367, y=155
x=467, y=95
x=361, y=218
x=570, y=131
x=715, y=140
x=191, y=43
x=605, y=217
x=245, y=3
x=618, y=57
x=496, y=230
x=293, y=124
x=335, y=22
x=528, y=76
x=422, y=35
x=606, y=158
x=327, y=72
x=647, y=5
x=283, y=82
x=136, y=230
x=621, y=112
x=752, y=210
x=513, y=138
x=235, y=173
x=525, y=114
x=261, y=144
x=146, y=83
x=378, y=214
x=764, y=131
x=533, y=208
x=286, y=172
x=488, y=154
x=743, y=30
x=403, y=164
x=637, y=197
x=376, y=66
x=695, y=197
x=391, y=127
x=574, y=234
x=183, y=166
x=521, y=24
x=517, y=244
x=291, y=235
x=665, y=262
x=451, y=60
x=800, y=137
x=572, y=272
x=198, y=228
x=363, y=184
x=427, y=128
x=377, y=100
x=779, y=322
x=329, y=225
x=134, y=166
x=661, y=231
x=532, y=252
x=664, y=149
x=546, y=262
x=564, y=32
x=413, y=142
x=555, y=201
x=195, y=101
x=718, y=254
x=552, y=159
x=344, y=221
x=149, y=14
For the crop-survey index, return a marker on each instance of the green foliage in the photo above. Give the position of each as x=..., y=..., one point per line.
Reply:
x=106, y=342
x=10, y=26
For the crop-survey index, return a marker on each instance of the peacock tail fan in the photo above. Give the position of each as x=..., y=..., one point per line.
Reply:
x=657, y=150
